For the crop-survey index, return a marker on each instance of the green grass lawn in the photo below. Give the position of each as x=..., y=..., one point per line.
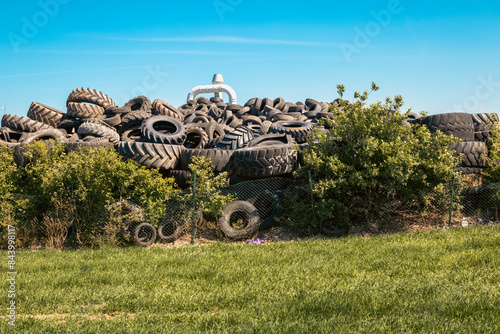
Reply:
x=429, y=282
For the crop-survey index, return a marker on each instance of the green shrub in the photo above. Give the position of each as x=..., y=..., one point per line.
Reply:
x=208, y=194
x=70, y=193
x=370, y=158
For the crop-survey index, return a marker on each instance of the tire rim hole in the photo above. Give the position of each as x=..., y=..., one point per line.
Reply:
x=239, y=220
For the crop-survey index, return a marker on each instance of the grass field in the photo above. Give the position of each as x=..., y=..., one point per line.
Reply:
x=430, y=282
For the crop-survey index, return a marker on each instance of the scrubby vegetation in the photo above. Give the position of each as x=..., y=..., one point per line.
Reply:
x=371, y=159
x=59, y=193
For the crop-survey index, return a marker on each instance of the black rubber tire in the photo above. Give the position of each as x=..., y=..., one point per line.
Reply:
x=243, y=112
x=23, y=124
x=164, y=130
x=300, y=131
x=474, y=153
x=138, y=104
x=161, y=107
x=237, y=139
x=45, y=134
x=283, y=118
x=484, y=121
x=470, y=170
x=279, y=103
x=216, y=99
x=99, y=130
x=337, y=233
x=145, y=234
x=234, y=107
x=131, y=134
x=252, y=120
x=413, y=115
x=250, y=102
x=90, y=96
x=215, y=113
x=133, y=118
x=310, y=102
x=196, y=137
x=256, y=106
x=151, y=155
x=78, y=145
x=45, y=114
x=269, y=206
x=482, y=136
x=251, y=226
x=170, y=230
x=271, y=139
x=70, y=125
x=202, y=100
x=265, y=160
x=8, y=135
x=221, y=159
x=83, y=110
x=266, y=125
x=459, y=125
x=182, y=177
x=201, y=119
x=112, y=120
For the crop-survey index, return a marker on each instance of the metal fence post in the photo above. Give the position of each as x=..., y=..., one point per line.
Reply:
x=193, y=223
x=73, y=227
x=313, y=205
x=452, y=193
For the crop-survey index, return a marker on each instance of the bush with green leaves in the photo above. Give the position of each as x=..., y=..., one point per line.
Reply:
x=371, y=159
x=208, y=194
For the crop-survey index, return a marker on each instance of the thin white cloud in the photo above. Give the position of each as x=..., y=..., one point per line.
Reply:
x=218, y=39
x=73, y=71
x=140, y=52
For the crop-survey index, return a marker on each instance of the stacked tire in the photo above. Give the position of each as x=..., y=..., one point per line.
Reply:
x=473, y=131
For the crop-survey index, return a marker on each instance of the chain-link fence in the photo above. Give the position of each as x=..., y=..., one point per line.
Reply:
x=251, y=210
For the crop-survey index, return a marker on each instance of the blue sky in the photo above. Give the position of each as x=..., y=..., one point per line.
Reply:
x=441, y=56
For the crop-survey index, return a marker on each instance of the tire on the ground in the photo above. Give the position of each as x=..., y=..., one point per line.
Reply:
x=249, y=214
x=269, y=206
x=334, y=232
x=145, y=234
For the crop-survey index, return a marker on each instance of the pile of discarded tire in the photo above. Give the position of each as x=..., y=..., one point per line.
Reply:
x=474, y=131
x=251, y=141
